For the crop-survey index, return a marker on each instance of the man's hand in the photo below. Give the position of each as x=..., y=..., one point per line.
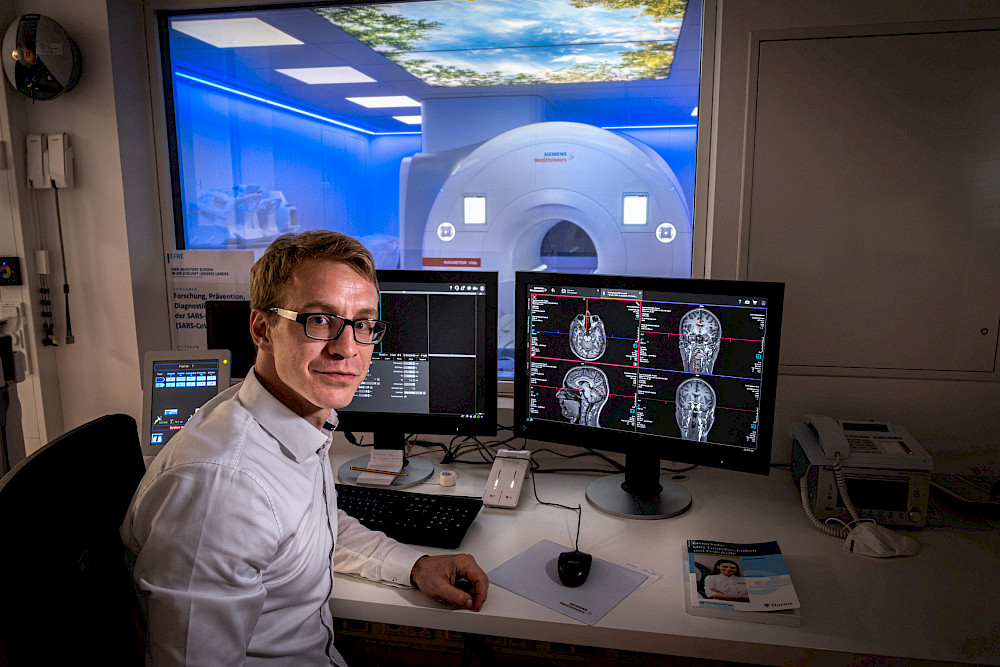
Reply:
x=436, y=577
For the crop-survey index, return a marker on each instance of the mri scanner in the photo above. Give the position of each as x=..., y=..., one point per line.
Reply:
x=489, y=206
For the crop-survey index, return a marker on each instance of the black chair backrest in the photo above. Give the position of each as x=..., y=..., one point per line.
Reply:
x=65, y=591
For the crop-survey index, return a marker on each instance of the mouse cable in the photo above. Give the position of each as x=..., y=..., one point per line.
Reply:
x=578, y=509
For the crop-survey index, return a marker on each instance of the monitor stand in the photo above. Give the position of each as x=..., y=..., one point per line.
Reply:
x=416, y=469
x=639, y=493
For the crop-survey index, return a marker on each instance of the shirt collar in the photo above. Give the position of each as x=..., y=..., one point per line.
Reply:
x=300, y=438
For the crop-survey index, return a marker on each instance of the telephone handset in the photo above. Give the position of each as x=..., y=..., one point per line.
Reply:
x=830, y=435
x=887, y=468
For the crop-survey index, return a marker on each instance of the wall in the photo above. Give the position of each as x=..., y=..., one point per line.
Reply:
x=952, y=417
x=99, y=372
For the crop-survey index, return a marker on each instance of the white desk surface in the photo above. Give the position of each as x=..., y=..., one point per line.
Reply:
x=940, y=605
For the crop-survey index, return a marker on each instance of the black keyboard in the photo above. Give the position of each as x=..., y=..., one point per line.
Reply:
x=414, y=518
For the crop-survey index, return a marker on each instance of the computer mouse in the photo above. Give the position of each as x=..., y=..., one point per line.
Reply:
x=574, y=567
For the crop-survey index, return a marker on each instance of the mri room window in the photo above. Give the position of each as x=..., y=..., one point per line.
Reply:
x=549, y=135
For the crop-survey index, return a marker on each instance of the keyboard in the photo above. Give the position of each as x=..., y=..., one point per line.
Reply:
x=414, y=518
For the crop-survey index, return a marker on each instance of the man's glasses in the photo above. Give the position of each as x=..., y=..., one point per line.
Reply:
x=326, y=326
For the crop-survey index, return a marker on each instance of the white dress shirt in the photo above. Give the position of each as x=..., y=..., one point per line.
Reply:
x=231, y=532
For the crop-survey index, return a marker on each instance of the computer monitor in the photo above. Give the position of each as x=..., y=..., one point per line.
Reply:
x=655, y=368
x=435, y=371
x=174, y=386
x=227, y=327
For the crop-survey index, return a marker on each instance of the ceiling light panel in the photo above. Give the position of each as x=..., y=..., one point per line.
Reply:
x=529, y=42
x=234, y=33
x=385, y=102
x=321, y=75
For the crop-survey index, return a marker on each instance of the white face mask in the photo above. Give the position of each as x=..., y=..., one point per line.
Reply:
x=870, y=539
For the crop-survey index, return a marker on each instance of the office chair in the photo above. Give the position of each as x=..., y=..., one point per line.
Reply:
x=65, y=589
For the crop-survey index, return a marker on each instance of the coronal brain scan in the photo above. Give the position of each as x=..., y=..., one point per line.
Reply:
x=587, y=338
x=700, y=334
x=695, y=409
x=583, y=394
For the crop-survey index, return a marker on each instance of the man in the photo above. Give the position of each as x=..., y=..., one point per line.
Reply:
x=234, y=530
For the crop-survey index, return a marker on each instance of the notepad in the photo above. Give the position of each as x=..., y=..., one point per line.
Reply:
x=390, y=460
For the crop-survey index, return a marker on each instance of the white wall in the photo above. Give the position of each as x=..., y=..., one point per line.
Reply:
x=99, y=373
x=952, y=418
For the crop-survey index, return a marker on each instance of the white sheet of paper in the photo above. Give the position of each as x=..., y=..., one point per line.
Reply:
x=390, y=460
x=533, y=574
x=650, y=575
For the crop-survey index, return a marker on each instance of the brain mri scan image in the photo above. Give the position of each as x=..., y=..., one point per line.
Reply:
x=583, y=394
x=587, y=338
x=700, y=334
x=695, y=409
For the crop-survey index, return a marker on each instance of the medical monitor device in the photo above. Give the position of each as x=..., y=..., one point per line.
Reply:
x=655, y=368
x=434, y=373
x=227, y=327
x=174, y=386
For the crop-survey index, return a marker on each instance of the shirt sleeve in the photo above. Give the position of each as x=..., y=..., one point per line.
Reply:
x=371, y=554
x=207, y=534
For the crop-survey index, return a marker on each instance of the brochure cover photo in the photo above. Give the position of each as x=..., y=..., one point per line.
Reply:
x=743, y=578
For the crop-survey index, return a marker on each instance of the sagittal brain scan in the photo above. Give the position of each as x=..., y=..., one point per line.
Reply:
x=584, y=392
x=587, y=338
x=667, y=364
x=695, y=409
x=699, y=340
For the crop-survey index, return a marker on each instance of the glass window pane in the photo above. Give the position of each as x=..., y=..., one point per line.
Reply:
x=397, y=122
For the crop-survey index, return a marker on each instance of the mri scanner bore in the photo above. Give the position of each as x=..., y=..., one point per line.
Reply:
x=493, y=205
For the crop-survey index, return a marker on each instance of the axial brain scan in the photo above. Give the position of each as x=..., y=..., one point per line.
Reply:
x=695, y=409
x=700, y=334
x=587, y=338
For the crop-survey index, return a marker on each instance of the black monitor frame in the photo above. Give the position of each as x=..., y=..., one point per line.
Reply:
x=227, y=327
x=390, y=428
x=641, y=482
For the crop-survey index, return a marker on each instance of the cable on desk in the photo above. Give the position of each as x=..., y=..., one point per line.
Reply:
x=469, y=444
x=578, y=509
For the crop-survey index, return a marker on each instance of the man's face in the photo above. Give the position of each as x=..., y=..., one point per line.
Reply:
x=313, y=376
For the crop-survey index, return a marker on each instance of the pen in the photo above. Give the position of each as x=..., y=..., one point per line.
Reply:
x=381, y=472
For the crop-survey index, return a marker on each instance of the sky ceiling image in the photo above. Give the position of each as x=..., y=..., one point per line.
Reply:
x=501, y=42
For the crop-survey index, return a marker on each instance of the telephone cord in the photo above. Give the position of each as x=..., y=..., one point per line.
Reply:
x=804, y=494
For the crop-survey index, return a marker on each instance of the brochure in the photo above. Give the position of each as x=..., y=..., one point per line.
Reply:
x=748, y=582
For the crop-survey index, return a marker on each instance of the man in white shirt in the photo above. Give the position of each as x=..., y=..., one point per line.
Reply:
x=234, y=531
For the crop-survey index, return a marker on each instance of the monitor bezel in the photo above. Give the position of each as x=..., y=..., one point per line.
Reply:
x=152, y=357
x=625, y=442
x=437, y=424
x=216, y=310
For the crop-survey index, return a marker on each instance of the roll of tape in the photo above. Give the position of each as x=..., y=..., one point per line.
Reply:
x=448, y=478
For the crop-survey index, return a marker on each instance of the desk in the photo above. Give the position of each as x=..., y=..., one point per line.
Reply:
x=940, y=605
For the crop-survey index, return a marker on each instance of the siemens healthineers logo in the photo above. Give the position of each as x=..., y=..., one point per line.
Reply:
x=554, y=156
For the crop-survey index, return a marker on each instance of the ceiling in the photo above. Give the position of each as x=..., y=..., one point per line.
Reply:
x=481, y=34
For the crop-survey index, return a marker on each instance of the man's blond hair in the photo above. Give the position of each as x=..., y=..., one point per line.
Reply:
x=272, y=272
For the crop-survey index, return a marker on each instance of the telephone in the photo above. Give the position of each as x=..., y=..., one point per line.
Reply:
x=852, y=470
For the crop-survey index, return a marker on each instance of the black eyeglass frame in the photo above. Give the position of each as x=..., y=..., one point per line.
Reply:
x=302, y=318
